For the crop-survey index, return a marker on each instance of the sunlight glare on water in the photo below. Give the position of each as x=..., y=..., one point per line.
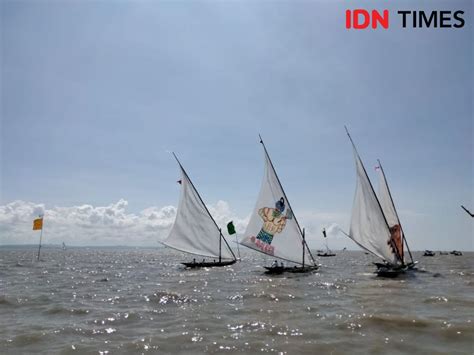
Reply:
x=109, y=300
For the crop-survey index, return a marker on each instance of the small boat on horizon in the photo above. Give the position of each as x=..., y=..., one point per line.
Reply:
x=195, y=231
x=429, y=253
x=456, y=253
x=328, y=252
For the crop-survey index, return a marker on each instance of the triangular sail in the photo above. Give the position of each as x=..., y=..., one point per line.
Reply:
x=194, y=231
x=389, y=211
x=369, y=228
x=273, y=229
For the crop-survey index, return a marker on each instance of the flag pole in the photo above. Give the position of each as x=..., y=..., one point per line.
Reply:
x=238, y=249
x=39, y=247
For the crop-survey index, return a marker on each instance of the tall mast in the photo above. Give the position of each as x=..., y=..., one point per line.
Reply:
x=376, y=198
x=220, y=245
x=303, y=244
x=286, y=198
x=394, y=208
x=205, y=207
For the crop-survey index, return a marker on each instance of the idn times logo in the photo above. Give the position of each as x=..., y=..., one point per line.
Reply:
x=361, y=19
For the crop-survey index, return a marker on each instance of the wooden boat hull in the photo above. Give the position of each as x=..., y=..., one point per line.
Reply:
x=325, y=255
x=209, y=264
x=385, y=270
x=278, y=270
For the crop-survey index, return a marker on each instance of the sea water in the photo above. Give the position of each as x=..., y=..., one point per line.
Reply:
x=130, y=300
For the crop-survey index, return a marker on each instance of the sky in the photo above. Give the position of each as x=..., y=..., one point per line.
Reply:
x=94, y=96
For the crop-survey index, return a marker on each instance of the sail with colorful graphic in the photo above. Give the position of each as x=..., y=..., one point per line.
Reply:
x=369, y=228
x=195, y=230
x=391, y=214
x=273, y=228
x=374, y=223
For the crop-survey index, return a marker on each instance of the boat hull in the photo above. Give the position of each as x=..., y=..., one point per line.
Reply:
x=325, y=255
x=386, y=270
x=278, y=270
x=194, y=265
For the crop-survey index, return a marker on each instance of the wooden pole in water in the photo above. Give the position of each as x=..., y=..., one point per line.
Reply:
x=39, y=247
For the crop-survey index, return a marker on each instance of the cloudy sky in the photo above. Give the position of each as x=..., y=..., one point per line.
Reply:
x=94, y=94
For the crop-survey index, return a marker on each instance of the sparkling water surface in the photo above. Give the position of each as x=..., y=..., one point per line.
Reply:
x=133, y=300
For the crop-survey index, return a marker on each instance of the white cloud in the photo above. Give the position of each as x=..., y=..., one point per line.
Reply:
x=223, y=214
x=85, y=224
x=114, y=225
x=315, y=221
x=98, y=225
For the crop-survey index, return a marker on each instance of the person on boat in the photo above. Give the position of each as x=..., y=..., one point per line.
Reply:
x=275, y=263
x=194, y=261
x=324, y=232
x=396, y=241
x=203, y=261
x=273, y=221
x=281, y=264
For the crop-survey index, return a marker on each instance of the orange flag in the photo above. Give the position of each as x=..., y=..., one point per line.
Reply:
x=38, y=224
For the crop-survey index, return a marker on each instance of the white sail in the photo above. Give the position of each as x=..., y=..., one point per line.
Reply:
x=389, y=211
x=194, y=231
x=368, y=226
x=272, y=228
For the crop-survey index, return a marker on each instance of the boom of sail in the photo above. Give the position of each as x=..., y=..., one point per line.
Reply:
x=194, y=230
x=273, y=228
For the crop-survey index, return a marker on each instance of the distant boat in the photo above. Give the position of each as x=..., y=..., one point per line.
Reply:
x=328, y=252
x=375, y=225
x=64, y=246
x=443, y=253
x=456, y=252
x=273, y=228
x=429, y=253
x=195, y=231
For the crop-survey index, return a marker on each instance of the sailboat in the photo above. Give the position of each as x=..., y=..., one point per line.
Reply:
x=375, y=225
x=195, y=231
x=64, y=246
x=328, y=252
x=273, y=228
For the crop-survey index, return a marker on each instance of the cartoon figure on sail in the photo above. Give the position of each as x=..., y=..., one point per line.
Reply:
x=273, y=222
x=279, y=235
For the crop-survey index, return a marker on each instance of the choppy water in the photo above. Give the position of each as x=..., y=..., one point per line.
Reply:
x=137, y=300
